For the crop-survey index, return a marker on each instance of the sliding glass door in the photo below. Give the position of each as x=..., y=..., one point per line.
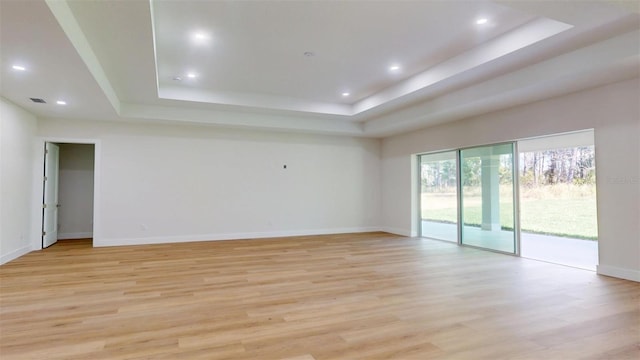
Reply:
x=487, y=197
x=469, y=196
x=439, y=196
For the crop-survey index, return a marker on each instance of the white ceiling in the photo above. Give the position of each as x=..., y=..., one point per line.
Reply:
x=117, y=60
x=31, y=37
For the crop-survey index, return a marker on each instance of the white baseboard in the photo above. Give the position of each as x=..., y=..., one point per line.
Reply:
x=14, y=254
x=97, y=242
x=79, y=235
x=397, y=231
x=627, y=274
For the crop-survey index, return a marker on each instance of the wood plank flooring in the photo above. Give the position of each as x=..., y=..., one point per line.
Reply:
x=351, y=296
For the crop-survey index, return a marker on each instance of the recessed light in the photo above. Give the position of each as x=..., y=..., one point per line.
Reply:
x=345, y=94
x=482, y=21
x=192, y=75
x=61, y=102
x=177, y=78
x=19, y=68
x=394, y=67
x=200, y=37
x=309, y=54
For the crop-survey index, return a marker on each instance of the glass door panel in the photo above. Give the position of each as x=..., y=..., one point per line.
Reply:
x=438, y=196
x=487, y=197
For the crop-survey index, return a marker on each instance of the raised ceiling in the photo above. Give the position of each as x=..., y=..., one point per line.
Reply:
x=305, y=55
x=287, y=65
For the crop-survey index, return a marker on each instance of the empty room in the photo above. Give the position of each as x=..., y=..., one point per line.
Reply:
x=310, y=180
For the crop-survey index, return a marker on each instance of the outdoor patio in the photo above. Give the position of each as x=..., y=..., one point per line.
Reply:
x=559, y=250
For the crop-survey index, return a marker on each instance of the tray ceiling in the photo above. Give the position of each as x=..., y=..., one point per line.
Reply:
x=352, y=68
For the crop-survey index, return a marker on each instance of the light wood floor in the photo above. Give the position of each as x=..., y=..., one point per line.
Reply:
x=364, y=296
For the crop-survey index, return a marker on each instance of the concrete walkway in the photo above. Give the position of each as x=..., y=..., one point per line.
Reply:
x=558, y=250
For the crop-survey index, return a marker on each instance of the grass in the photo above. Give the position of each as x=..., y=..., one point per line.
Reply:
x=558, y=212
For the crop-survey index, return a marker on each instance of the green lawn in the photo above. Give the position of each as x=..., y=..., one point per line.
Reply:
x=575, y=218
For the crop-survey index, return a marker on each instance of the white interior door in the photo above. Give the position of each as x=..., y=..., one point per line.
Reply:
x=50, y=204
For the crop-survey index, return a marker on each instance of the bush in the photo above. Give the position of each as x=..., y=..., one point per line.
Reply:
x=526, y=180
x=589, y=179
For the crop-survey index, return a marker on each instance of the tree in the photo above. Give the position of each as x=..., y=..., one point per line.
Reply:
x=471, y=168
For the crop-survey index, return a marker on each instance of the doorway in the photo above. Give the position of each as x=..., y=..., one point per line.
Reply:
x=558, y=212
x=534, y=198
x=68, y=192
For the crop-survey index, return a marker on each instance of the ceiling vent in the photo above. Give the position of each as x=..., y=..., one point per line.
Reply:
x=38, y=100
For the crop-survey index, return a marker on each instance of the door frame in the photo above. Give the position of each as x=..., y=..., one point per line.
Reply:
x=38, y=190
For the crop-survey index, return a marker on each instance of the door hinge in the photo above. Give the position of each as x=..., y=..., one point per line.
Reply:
x=44, y=233
x=46, y=151
x=44, y=206
x=44, y=178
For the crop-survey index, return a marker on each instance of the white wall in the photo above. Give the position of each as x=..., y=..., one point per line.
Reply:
x=17, y=131
x=612, y=110
x=164, y=183
x=75, y=217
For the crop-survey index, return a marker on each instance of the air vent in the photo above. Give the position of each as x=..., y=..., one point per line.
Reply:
x=38, y=100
